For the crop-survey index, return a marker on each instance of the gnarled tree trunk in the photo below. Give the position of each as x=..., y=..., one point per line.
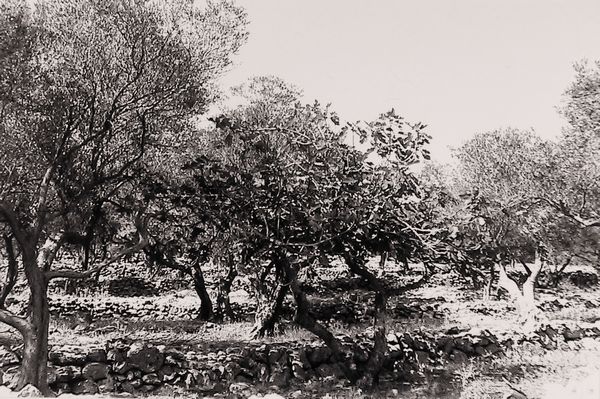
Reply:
x=268, y=311
x=206, y=308
x=370, y=373
x=34, y=366
x=223, y=306
x=523, y=297
x=343, y=355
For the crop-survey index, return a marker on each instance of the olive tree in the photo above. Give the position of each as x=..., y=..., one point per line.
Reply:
x=88, y=89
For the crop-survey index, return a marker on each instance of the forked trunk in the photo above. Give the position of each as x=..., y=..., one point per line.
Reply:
x=524, y=297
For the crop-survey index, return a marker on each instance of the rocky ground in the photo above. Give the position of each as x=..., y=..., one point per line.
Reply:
x=446, y=341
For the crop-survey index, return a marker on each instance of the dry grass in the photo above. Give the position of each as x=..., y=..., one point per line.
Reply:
x=563, y=373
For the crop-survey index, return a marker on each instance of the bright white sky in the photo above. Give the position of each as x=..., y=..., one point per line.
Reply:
x=461, y=67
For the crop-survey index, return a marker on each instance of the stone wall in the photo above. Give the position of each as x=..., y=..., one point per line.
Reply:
x=137, y=367
x=150, y=309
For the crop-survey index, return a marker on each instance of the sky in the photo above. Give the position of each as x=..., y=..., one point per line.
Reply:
x=460, y=67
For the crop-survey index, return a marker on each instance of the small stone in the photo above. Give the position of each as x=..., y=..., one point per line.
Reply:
x=7, y=357
x=492, y=349
x=453, y=330
x=136, y=383
x=29, y=391
x=59, y=388
x=67, y=373
x=572, y=335
x=121, y=367
x=115, y=355
x=133, y=375
x=107, y=385
x=459, y=356
x=126, y=386
x=147, y=388
x=237, y=388
x=479, y=350
x=422, y=357
x=151, y=379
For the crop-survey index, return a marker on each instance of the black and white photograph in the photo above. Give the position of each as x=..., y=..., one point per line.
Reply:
x=283, y=199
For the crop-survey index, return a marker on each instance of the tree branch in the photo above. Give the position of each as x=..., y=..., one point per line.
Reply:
x=14, y=321
x=11, y=273
x=9, y=216
x=74, y=274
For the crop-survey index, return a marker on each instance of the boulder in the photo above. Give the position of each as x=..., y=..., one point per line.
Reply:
x=29, y=391
x=95, y=371
x=572, y=335
x=85, y=387
x=67, y=357
x=67, y=374
x=97, y=355
x=147, y=358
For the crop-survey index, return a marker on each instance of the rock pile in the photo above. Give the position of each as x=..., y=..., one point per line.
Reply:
x=138, y=367
x=583, y=279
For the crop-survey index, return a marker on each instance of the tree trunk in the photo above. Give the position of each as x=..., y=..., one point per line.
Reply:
x=206, y=308
x=524, y=297
x=382, y=261
x=268, y=311
x=490, y=283
x=370, y=373
x=343, y=355
x=223, y=308
x=34, y=368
